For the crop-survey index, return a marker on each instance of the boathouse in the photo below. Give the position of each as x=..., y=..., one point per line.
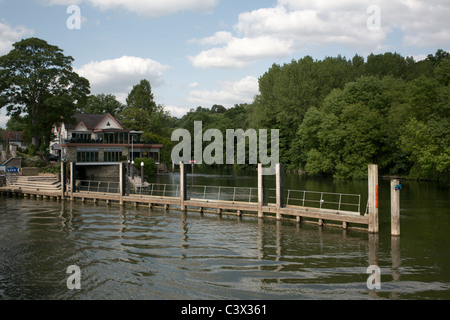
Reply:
x=98, y=142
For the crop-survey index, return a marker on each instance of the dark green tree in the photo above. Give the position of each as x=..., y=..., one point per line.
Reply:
x=141, y=97
x=37, y=81
x=142, y=113
x=102, y=103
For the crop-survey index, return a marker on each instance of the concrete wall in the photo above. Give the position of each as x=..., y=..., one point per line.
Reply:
x=98, y=173
x=14, y=162
x=29, y=171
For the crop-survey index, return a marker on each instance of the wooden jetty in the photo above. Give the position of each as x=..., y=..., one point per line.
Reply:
x=179, y=200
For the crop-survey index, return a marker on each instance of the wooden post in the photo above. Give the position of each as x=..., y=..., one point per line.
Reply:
x=279, y=190
x=72, y=179
x=183, y=187
x=122, y=180
x=395, y=207
x=260, y=191
x=373, y=199
x=63, y=179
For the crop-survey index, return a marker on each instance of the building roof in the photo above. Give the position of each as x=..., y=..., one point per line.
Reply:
x=89, y=120
x=12, y=136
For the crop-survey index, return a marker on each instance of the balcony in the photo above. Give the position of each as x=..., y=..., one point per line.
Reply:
x=101, y=141
x=83, y=141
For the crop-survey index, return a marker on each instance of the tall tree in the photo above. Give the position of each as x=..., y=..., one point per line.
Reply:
x=102, y=103
x=143, y=114
x=141, y=97
x=37, y=81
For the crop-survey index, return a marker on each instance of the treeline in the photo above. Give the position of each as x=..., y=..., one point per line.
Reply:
x=338, y=115
x=335, y=116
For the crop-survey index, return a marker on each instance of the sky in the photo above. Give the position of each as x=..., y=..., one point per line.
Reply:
x=206, y=52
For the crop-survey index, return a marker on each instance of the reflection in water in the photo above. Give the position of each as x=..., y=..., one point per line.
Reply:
x=142, y=253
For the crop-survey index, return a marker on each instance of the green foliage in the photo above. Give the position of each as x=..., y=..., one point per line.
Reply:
x=32, y=150
x=335, y=115
x=141, y=97
x=389, y=110
x=101, y=103
x=166, y=151
x=55, y=168
x=143, y=114
x=37, y=81
x=149, y=166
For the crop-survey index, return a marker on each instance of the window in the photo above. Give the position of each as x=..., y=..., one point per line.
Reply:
x=115, y=137
x=81, y=137
x=113, y=156
x=87, y=156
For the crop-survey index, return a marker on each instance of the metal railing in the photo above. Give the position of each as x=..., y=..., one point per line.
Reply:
x=301, y=198
x=11, y=178
x=324, y=200
x=159, y=190
x=98, y=186
x=220, y=193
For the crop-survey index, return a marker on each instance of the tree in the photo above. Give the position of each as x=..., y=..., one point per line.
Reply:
x=381, y=65
x=37, y=81
x=141, y=97
x=149, y=166
x=15, y=123
x=102, y=103
x=143, y=114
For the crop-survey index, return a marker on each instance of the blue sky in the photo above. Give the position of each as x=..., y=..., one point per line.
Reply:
x=205, y=52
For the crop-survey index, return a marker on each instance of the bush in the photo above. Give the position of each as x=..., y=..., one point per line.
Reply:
x=149, y=166
x=32, y=150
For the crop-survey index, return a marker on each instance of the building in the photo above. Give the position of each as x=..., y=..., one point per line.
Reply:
x=13, y=138
x=96, y=139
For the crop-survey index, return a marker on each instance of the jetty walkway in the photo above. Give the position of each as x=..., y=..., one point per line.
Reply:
x=325, y=209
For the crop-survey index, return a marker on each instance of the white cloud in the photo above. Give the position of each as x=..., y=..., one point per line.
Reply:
x=3, y=120
x=221, y=37
x=148, y=8
x=239, y=52
x=10, y=35
x=118, y=76
x=422, y=22
x=292, y=25
x=175, y=111
x=310, y=25
x=228, y=93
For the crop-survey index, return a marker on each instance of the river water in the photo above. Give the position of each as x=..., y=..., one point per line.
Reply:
x=142, y=253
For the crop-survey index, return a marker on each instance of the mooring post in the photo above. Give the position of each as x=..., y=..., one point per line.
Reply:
x=121, y=182
x=63, y=179
x=260, y=191
x=373, y=198
x=72, y=179
x=395, y=207
x=279, y=190
x=183, y=188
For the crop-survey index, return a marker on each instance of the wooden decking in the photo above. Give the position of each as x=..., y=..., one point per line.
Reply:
x=348, y=220
x=180, y=201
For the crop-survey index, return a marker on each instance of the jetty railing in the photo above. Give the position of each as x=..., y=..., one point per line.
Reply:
x=266, y=202
x=98, y=186
x=325, y=200
x=159, y=190
x=301, y=198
